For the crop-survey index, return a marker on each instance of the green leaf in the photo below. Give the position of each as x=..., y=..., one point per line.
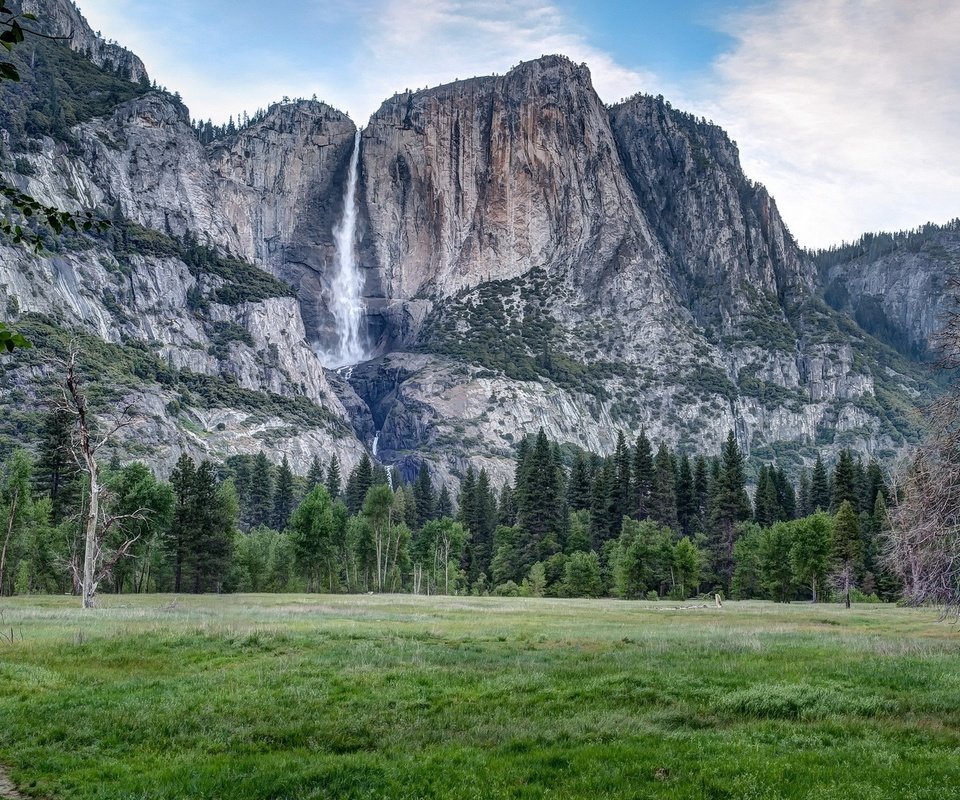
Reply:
x=8, y=72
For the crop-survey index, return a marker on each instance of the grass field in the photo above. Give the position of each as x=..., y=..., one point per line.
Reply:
x=282, y=696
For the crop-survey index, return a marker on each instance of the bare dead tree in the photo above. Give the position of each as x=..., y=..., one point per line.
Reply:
x=98, y=559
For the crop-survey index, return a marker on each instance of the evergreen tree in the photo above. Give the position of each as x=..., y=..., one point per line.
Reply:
x=482, y=525
x=701, y=493
x=539, y=504
x=579, y=485
x=663, y=499
x=424, y=499
x=444, y=504
x=359, y=482
x=642, y=476
x=314, y=475
x=766, y=508
x=56, y=473
x=183, y=481
x=283, y=500
x=730, y=506
x=603, y=521
x=622, y=498
x=333, y=478
x=786, y=496
x=844, y=483
x=261, y=491
x=506, y=508
x=805, y=506
x=819, y=487
x=215, y=517
x=846, y=547
x=686, y=496
x=874, y=485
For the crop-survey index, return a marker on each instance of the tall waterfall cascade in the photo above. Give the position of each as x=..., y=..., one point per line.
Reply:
x=346, y=287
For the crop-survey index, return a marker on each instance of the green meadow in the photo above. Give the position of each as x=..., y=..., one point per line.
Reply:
x=312, y=696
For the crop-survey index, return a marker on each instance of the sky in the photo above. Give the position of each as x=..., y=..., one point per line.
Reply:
x=848, y=111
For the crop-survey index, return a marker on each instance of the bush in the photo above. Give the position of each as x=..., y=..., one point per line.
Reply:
x=507, y=589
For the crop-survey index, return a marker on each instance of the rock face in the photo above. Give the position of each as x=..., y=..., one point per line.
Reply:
x=531, y=258
x=280, y=185
x=62, y=18
x=899, y=287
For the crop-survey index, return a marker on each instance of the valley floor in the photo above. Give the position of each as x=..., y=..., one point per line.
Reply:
x=296, y=696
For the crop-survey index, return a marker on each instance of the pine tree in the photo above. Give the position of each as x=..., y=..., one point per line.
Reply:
x=183, y=481
x=482, y=524
x=506, y=508
x=603, y=521
x=730, y=506
x=359, y=482
x=261, y=491
x=622, y=498
x=314, y=475
x=786, y=496
x=874, y=486
x=846, y=547
x=805, y=507
x=686, y=499
x=423, y=497
x=539, y=504
x=579, y=485
x=444, y=504
x=663, y=499
x=283, y=500
x=56, y=474
x=819, y=487
x=844, y=483
x=642, y=476
x=333, y=478
x=762, y=514
x=701, y=493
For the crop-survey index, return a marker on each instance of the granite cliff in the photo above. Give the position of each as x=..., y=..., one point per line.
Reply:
x=531, y=258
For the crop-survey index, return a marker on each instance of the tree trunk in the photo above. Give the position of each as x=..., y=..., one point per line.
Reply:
x=9, y=536
x=89, y=586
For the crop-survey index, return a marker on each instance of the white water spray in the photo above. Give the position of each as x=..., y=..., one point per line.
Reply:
x=346, y=288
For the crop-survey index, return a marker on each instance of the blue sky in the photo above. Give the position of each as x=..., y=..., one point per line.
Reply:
x=848, y=110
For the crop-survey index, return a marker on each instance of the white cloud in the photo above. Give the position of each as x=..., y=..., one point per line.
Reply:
x=848, y=110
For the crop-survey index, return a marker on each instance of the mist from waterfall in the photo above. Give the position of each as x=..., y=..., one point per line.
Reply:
x=346, y=288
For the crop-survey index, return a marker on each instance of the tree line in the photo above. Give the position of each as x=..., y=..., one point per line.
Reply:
x=640, y=523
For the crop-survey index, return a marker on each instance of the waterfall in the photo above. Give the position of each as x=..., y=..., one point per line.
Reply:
x=346, y=288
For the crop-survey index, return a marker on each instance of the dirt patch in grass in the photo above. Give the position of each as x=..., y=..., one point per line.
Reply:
x=8, y=791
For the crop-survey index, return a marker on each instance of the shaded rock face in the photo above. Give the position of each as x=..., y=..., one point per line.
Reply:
x=902, y=297
x=721, y=231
